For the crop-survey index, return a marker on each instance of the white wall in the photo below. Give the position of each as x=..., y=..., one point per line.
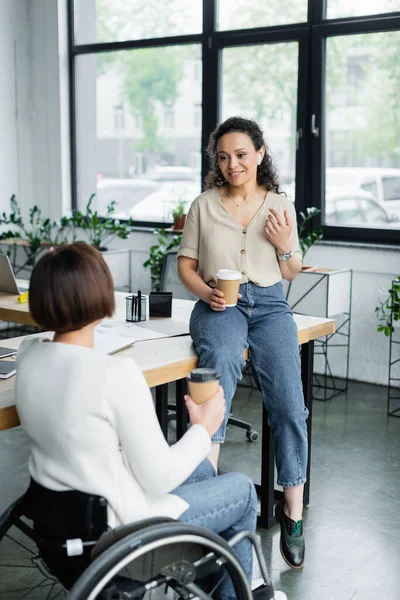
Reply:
x=374, y=268
x=34, y=138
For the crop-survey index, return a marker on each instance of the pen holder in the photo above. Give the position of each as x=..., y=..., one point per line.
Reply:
x=135, y=309
x=160, y=304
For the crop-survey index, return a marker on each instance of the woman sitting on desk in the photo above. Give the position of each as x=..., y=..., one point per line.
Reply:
x=91, y=421
x=243, y=223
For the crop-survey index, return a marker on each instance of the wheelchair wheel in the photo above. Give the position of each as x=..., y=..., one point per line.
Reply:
x=172, y=560
x=23, y=574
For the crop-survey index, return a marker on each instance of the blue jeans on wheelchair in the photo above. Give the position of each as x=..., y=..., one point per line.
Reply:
x=263, y=322
x=225, y=504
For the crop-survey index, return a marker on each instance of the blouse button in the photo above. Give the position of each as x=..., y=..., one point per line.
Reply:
x=244, y=230
x=243, y=251
x=244, y=272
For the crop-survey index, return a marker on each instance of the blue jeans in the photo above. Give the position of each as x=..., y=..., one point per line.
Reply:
x=225, y=504
x=263, y=322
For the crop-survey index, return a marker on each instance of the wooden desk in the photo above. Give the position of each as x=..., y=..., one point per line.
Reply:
x=171, y=359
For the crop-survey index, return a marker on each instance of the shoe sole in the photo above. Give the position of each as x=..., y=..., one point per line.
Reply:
x=281, y=550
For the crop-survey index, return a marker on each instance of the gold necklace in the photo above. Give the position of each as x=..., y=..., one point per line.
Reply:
x=235, y=203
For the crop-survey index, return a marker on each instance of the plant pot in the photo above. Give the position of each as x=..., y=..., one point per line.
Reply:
x=179, y=222
x=320, y=292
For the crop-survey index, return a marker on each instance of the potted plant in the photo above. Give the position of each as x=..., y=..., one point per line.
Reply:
x=155, y=261
x=32, y=236
x=308, y=238
x=100, y=230
x=388, y=310
x=179, y=215
x=41, y=232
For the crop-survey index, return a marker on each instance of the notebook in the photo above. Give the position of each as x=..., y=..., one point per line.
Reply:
x=7, y=368
x=7, y=352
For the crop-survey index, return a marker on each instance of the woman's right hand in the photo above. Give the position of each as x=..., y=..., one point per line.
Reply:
x=216, y=299
x=210, y=414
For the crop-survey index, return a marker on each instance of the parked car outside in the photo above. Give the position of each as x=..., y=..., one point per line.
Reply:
x=126, y=193
x=158, y=206
x=353, y=207
x=356, y=208
x=382, y=183
x=174, y=173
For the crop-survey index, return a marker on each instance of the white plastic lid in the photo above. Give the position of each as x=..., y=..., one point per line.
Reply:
x=228, y=274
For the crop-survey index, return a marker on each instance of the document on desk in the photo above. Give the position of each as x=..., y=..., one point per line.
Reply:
x=145, y=330
x=108, y=344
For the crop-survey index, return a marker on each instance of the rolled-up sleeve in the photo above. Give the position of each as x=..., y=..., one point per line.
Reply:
x=191, y=234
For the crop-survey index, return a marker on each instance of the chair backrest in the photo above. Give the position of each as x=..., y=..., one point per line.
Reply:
x=170, y=281
x=61, y=516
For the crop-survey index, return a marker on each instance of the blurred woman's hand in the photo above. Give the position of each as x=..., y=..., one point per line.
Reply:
x=210, y=414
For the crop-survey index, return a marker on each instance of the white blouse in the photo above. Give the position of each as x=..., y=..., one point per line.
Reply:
x=92, y=427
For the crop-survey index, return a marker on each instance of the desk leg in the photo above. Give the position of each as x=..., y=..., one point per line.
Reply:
x=307, y=368
x=162, y=407
x=181, y=411
x=266, y=489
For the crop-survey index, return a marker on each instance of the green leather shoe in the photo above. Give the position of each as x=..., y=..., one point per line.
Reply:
x=292, y=539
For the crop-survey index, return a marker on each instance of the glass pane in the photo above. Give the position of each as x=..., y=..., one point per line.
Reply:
x=138, y=130
x=242, y=14
x=363, y=129
x=357, y=8
x=119, y=20
x=255, y=91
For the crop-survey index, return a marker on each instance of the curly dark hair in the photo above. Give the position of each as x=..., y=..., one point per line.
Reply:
x=267, y=175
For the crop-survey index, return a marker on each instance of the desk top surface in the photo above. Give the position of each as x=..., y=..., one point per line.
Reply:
x=161, y=360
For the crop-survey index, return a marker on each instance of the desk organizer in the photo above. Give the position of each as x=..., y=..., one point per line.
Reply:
x=136, y=307
x=160, y=304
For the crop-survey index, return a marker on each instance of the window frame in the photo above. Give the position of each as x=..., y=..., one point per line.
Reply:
x=311, y=36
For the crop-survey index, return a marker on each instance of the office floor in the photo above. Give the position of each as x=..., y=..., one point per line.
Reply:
x=353, y=522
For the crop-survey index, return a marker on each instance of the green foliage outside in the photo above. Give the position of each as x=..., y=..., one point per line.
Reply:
x=150, y=76
x=388, y=309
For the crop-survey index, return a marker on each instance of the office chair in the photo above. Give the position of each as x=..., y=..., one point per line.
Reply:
x=170, y=282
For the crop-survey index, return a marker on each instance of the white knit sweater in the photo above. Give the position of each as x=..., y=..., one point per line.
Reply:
x=92, y=426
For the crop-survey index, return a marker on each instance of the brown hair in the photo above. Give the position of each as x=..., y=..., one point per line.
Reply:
x=71, y=287
x=267, y=175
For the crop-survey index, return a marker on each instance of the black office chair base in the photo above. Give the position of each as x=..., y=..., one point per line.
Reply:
x=251, y=435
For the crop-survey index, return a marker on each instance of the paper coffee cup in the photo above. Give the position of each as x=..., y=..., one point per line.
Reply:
x=228, y=282
x=203, y=383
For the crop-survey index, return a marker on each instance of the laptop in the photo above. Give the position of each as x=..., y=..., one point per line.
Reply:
x=8, y=282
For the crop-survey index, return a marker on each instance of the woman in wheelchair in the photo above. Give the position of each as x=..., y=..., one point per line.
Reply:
x=92, y=426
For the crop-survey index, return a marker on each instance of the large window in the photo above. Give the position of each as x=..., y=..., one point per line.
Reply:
x=257, y=93
x=151, y=79
x=137, y=143
x=362, y=137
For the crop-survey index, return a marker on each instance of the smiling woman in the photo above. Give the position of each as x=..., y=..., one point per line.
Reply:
x=244, y=223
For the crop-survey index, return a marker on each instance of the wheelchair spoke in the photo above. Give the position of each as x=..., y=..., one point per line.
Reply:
x=20, y=566
x=19, y=543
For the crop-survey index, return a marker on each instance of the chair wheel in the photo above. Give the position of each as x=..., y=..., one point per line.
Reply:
x=252, y=436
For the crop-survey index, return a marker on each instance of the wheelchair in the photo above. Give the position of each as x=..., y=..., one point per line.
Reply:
x=73, y=554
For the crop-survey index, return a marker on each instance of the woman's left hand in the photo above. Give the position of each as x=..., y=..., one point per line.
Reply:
x=278, y=231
